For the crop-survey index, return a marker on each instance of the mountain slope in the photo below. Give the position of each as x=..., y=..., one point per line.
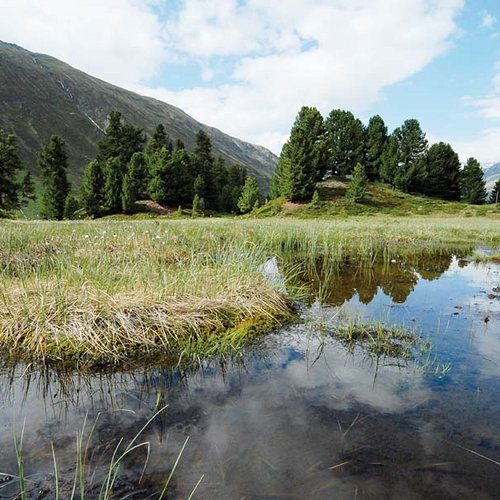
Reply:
x=491, y=175
x=40, y=96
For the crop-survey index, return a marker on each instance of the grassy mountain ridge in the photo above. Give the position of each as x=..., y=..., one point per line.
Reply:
x=40, y=96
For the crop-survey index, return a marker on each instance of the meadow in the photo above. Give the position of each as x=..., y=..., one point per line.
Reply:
x=107, y=292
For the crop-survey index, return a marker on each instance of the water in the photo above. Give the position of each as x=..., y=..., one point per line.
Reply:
x=299, y=416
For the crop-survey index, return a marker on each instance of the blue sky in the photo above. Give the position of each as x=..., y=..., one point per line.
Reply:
x=246, y=66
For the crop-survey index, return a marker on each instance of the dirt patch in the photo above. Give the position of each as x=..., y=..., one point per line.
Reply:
x=152, y=206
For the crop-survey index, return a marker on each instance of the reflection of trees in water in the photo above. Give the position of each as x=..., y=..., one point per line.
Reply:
x=335, y=286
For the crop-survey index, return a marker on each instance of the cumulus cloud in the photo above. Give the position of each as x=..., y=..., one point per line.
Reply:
x=316, y=52
x=486, y=147
x=117, y=40
x=277, y=56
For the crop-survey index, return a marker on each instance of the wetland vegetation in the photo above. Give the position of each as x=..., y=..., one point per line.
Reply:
x=109, y=291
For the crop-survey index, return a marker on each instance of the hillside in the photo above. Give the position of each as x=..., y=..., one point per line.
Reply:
x=40, y=96
x=380, y=199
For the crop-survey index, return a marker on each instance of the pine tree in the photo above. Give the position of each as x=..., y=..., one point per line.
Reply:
x=159, y=140
x=9, y=167
x=439, y=173
x=411, y=147
x=120, y=140
x=346, y=140
x=114, y=173
x=389, y=161
x=302, y=158
x=376, y=141
x=158, y=185
x=130, y=188
x=357, y=187
x=53, y=163
x=472, y=184
x=93, y=189
x=27, y=188
x=71, y=206
x=495, y=193
x=249, y=196
x=203, y=165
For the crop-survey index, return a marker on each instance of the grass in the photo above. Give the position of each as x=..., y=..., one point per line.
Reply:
x=380, y=199
x=86, y=480
x=382, y=340
x=101, y=292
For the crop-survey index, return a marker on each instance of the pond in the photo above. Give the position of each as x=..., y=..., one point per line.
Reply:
x=300, y=415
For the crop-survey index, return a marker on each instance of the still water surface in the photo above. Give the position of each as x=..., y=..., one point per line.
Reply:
x=300, y=415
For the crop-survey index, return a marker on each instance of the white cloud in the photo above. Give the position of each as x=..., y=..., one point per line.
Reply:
x=353, y=49
x=488, y=20
x=486, y=147
x=324, y=53
x=119, y=41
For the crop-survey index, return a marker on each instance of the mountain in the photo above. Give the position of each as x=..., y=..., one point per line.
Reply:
x=41, y=96
x=491, y=175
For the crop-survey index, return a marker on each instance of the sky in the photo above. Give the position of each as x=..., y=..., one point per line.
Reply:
x=247, y=66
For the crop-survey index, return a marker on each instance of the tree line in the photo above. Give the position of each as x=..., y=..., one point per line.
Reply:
x=127, y=167
x=342, y=145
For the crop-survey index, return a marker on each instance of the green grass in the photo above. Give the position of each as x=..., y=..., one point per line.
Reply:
x=380, y=199
x=95, y=292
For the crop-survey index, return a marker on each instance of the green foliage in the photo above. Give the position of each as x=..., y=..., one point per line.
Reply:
x=345, y=136
x=120, y=140
x=9, y=167
x=250, y=195
x=159, y=140
x=198, y=206
x=93, y=189
x=389, y=161
x=53, y=163
x=203, y=166
x=495, y=193
x=302, y=159
x=439, y=173
x=316, y=200
x=411, y=148
x=158, y=185
x=114, y=173
x=71, y=207
x=357, y=187
x=472, y=185
x=27, y=189
x=376, y=142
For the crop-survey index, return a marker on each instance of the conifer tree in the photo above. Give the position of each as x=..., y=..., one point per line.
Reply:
x=302, y=158
x=472, y=184
x=495, y=193
x=113, y=172
x=10, y=164
x=346, y=140
x=158, y=185
x=92, y=192
x=412, y=147
x=439, y=173
x=71, y=206
x=27, y=188
x=120, y=140
x=53, y=163
x=203, y=165
x=357, y=187
x=376, y=141
x=249, y=195
x=389, y=161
